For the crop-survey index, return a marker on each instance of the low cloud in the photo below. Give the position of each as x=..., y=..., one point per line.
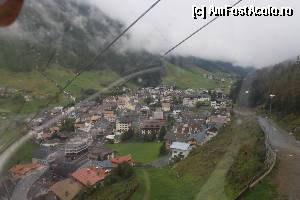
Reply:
x=258, y=41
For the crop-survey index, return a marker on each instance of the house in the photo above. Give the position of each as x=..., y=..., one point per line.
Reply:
x=86, y=127
x=166, y=106
x=105, y=164
x=213, y=104
x=204, y=98
x=180, y=150
x=21, y=169
x=145, y=111
x=189, y=102
x=44, y=156
x=197, y=138
x=212, y=132
x=171, y=137
x=109, y=115
x=115, y=138
x=99, y=152
x=51, y=143
x=124, y=102
x=66, y=189
x=109, y=103
x=158, y=115
x=151, y=127
x=219, y=120
x=89, y=176
x=121, y=159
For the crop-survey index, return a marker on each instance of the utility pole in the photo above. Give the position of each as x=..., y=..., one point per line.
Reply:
x=271, y=97
x=298, y=60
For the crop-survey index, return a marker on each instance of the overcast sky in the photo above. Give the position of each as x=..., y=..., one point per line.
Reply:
x=258, y=41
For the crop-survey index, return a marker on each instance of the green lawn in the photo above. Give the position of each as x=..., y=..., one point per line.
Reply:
x=201, y=175
x=28, y=81
x=163, y=183
x=266, y=189
x=185, y=78
x=288, y=123
x=141, y=152
x=120, y=190
x=192, y=77
x=88, y=80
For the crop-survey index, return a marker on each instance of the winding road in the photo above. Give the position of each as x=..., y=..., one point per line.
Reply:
x=22, y=188
x=288, y=152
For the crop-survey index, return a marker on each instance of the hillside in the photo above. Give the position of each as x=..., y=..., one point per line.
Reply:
x=195, y=77
x=281, y=80
x=69, y=34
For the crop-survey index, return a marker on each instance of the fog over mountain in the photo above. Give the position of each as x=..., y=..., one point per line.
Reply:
x=258, y=41
x=247, y=41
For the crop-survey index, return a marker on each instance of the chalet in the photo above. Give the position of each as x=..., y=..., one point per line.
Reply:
x=121, y=159
x=89, y=176
x=110, y=115
x=99, y=152
x=171, y=137
x=218, y=120
x=158, y=115
x=151, y=127
x=166, y=106
x=20, y=170
x=114, y=138
x=197, y=138
x=66, y=189
x=204, y=98
x=180, y=150
x=145, y=111
x=104, y=164
x=189, y=102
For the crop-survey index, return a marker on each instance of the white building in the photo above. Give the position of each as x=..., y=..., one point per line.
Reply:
x=158, y=115
x=189, y=102
x=123, y=126
x=180, y=149
x=76, y=146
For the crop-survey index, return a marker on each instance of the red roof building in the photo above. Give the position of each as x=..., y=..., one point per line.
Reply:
x=22, y=169
x=121, y=159
x=89, y=176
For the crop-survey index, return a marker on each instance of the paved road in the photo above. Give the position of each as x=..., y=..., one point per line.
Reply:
x=288, y=152
x=161, y=162
x=24, y=185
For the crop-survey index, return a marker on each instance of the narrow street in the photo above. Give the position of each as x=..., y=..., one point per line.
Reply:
x=288, y=152
x=24, y=185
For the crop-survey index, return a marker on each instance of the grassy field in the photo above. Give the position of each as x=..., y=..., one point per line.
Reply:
x=266, y=189
x=88, y=80
x=249, y=161
x=203, y=175
x=119, y=190
x=185, y=78
x=192, y=77
x=289, y=123
x=30, y=81
x=141, y=152
x=163, y=183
